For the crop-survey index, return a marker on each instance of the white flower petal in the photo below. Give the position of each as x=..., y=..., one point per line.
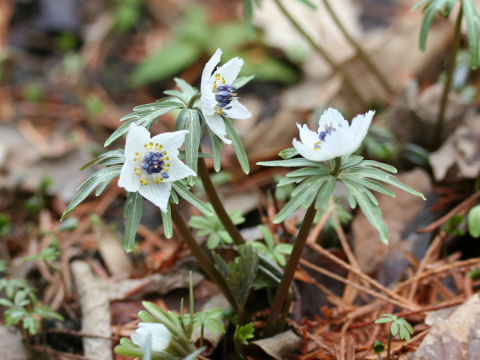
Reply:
x=160, y=336
x=208, y=69
x=128, y=179
x=342, y=139
x=136, y=137
x=307, y=136
x=238, y=111
x=217, y=125
x=208, y=102
x=338, y=143
x=229, y=71
x=158, y=194
x=332, y=116
x=359, y=128
x=171, y=141
x=308, y=152
x=178, y=170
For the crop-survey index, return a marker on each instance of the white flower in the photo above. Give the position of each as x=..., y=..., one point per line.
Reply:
x=151, y=165
x=160, y=336
x=335, y=137
x=219, y=95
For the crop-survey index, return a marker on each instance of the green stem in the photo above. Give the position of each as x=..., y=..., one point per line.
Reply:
x=192, y=100
x=323, y=53
x=448, y=81
x=201, y=257
x=365, y=58
x=217, y=203
x=289, y=272
x=389, y=345
x=338, y=164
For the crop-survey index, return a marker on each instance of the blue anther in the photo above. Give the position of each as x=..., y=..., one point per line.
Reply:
x=224, y=94
x=153, y=162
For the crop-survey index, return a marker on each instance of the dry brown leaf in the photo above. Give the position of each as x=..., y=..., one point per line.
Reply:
x=454, y=338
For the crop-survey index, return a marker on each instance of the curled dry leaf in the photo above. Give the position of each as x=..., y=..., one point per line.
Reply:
x=459, y=156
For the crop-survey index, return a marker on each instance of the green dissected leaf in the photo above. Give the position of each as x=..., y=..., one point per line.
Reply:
x=128, y=348
x=371, y=211
x=271, y=250
x=376, y=174
x=378, y=346
x=188, y=91
x=5, y=302
x=14, y=314
x=305, y=194
x=111, y=157
x=210, y=319
x=244, y=333
x=167, y=222
x=192, y=139
x=325, y=191
x=270, y=69
x=47, y=313
x=369, y=184
x=217, y=145
x=474, y=221
x=143, y=115
x=182, y=190
x=237, y=146
x=288, y=153
x=296, y=162
x=288, y=181
x=240, y=273
x=351, y=160
x=50, y=253
x=376, y=164
x=31, y=324
x=213, y=227
x=98, y=180
x=394, y=328
x=430, y=9
x=132, y=213
x=169, y=60
x=242, y=80
x=195, y=354
x=472, y=20
x=309, y=171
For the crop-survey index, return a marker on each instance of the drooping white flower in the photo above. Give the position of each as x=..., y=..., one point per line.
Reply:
x=152, y=164
x=160, y=336
x=334, y=137
x=219, y=96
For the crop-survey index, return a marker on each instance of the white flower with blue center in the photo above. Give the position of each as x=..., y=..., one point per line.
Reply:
x=152, y=164
x=160, y=336
x=219, y=97
x=334, y=138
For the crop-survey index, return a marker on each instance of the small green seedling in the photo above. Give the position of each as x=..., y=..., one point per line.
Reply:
x=398, y=326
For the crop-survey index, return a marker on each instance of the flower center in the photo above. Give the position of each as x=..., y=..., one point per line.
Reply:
x=329, y=129
x=224, y=94
x=153, y=162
